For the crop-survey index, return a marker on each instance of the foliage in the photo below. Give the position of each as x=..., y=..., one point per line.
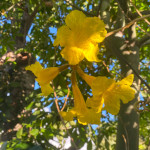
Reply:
x=36, y=125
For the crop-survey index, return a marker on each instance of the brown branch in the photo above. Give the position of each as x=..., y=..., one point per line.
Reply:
x=139, y=13
x=56, y=100
x=131, y=16
x=127, y=26
x=143, y=40
x=120, y=56
x=147, y=37
x=98, y=9
x=126, y=139
x=11, y=7
x=106, y=67
x=57, y=106
x=66, y=98
x=143, y=30
x=145, y=12
x=78, y=8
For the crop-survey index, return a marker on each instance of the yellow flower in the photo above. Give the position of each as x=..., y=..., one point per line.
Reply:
x=3, y=11
x=108, y=91
x=44, y=76
x=83, y=114
x=80, y=37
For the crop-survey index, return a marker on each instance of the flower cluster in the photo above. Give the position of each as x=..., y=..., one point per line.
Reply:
x=79, y=39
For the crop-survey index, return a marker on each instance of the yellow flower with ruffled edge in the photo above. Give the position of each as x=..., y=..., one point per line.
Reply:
x=44, y=76
x=108, y=91
x=80, y=37
x=83, y=114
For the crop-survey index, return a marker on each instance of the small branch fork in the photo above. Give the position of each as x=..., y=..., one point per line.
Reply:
x=139, y=13
x=58, y=109
x=66, y=98
x=123, y=28
x=127, y=26
x=142, y=106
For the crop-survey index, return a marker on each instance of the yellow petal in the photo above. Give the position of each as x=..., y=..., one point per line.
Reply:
x=46, y=89
x=47, y=75
x=68, y=116
x=72, y=54
x=83, y=114
x=89, y=117
x=96, y=103
x=127, y=81
x=111, y=93
x=44, y=76
x=112, y=102
x=90, y=51
x=114, y=94
x=89, y=79
x=94, y=29
x=126, y=93
x=35, y=68
x=79, y=103
x=75, y=20
x=63, y=36
x=101, y=84
x=80, y=37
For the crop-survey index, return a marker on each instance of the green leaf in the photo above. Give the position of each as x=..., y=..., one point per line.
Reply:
x=19, y=133
x=21, y=146
x=34, y=132
x=30, y=106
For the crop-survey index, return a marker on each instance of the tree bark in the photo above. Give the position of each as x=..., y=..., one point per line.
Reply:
x=128, y=119
x=17, y=84
x=127, y=52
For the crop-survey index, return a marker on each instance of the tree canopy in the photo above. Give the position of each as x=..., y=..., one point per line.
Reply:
x=28, y=29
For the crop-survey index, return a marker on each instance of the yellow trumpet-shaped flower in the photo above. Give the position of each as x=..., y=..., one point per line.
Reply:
x=83, y=114
x=108, y=91
x=80, y=37
x=44, y=76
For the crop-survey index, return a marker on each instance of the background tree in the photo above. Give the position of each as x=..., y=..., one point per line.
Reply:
x=27, y=31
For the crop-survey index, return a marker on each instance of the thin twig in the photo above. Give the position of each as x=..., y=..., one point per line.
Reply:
x=78, y=8
x=11, y=7
x=106, y=67
x=126, y=139
x=139, y=13
x=118, y=54
x=66, y=98
x=132, y=16
x=143, y=30
x=57, y=106
x=98, y=9
x=127, y=26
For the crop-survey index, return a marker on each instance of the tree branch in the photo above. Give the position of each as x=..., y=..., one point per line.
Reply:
x=78, y=8
x=57, y=106
x=128, y=25
x=144, y=41
x=66, y=98
x=98, y=9
x=139, y=13
x=121, y=57
x=135, y=15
